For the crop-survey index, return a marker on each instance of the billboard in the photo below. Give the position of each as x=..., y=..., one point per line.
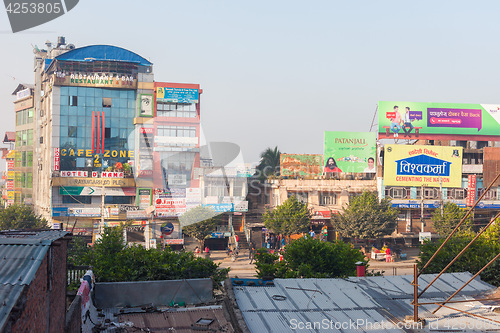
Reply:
x=350, y=151
x=439, y=121
x=301, y=165
x=429, y=166
x=177, y=95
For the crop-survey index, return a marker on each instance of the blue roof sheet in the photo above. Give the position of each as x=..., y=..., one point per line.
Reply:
x=103, y=53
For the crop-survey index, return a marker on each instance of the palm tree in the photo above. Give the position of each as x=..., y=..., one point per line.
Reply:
x=269, y=163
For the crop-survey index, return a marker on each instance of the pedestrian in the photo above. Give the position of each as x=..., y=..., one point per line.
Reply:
x=237, y=238
x=282, y=242
x=312, y=233
x=388, y=257
x=251, y=254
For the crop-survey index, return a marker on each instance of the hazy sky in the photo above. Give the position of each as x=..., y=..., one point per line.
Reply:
x=280, y=73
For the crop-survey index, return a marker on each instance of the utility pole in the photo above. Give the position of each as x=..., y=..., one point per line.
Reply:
x=422, y=208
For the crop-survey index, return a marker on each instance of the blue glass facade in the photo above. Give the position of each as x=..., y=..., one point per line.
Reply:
x=115, y=106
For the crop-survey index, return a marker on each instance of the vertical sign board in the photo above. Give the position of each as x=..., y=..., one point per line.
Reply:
x=56, y=159
x=144, y=198
x=471, y=190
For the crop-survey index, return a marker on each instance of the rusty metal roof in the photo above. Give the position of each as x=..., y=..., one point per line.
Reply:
x=21, y=253
x=182, y=320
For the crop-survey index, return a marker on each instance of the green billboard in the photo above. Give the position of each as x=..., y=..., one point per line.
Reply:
x=438, y=121
x=350, y=152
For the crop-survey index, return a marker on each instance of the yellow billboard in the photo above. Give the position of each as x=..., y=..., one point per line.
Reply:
x=429, y=166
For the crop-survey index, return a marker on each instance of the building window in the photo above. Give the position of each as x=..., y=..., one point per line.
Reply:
x=107, y=132
x=177, y=131
x=301, y=197
x=72, y=131
x=77, y=199
x=73, y=100
x=106, y=102
x=327, y=198
x=116, y=200
x=176, y=110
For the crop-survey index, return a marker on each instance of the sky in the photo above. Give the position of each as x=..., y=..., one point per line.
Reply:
x=281, y=73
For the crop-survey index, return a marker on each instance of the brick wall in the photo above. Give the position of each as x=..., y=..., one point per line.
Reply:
x=43, y=303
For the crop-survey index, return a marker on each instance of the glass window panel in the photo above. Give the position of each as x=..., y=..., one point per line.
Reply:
x=89, y=101
x=123, y=94
x=72, y=121
x=97, y=93
x=72, y=111
x=73, y=91
x=90, y=92
x=64, y=109
x=64, y=91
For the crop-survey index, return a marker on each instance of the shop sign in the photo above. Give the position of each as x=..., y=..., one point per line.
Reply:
x=94, y=182
x=89, y=153
x=174, y=241
x=471, y=190
x=137, y=214
x=112, y=174
x=220, y=208
x=177, y=95
x=94, y=80
x=56, y=159
x=74, y=174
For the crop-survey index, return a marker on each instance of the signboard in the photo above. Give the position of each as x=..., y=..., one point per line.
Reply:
x=94, y=80
x=301, y=165
x=144, y=196
x=471, y=190
x=167, y=228
x=87, y=212
x=23, y=93
x=107, y=182
x=350, y=152
x=174, y=241
x=74, y=174
x=429, y=166
x=96, y=191
x=424, y=236
x=241, y=206
x=176, y=180
x=137, y=214
x=450, y=121
x=220, y=208
x=56, y=159
x=193, y=196
x=146, y=109
x=112, y=174
x=177, y=95
x=167, y=207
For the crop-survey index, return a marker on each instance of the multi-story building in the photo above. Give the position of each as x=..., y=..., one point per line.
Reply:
x=105, y=140
x=23, y=156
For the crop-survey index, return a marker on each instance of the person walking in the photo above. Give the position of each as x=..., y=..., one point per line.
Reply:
x=388, y=257
x=251, y=254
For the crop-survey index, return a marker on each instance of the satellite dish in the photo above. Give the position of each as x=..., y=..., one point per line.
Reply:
x=70, y=46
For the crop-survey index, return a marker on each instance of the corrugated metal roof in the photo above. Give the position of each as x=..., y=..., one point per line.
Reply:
x=367, y=300
x=21, y=253
x=182, y=321
x=103, y=53
x=27, y=237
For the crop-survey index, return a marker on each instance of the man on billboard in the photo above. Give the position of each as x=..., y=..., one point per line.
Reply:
x=396, y=121
x=407, y=122
x=331, y=166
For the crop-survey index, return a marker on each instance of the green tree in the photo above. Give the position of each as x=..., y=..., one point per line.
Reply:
x=291, y=217
x=113, y=261
x=20, y=217
x=310, y=258
x=366, y=217
x=482, y=251
x=199, y=222
x=269, y=163
x=452, y=215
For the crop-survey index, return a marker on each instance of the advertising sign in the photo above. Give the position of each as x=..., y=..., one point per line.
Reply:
x=220, y=208
x=96, y=191
x=350, y=152
x=439, y=121
x=94, y=80
x=144, y=197
x=301, y=165
x=166, y=207
x=429, y=166
x=56, y=159
x=471, y=190
x=177, y=95
x=146, y=105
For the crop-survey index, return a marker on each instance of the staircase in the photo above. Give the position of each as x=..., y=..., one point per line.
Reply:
x=243, y=240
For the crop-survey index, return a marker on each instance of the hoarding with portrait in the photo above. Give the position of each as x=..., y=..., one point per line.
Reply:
x=351, y=152
x=439, y=121
x=429, y=166
x=301, y=165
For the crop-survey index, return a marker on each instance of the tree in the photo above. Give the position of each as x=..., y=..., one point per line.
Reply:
x=291, y=217
x=199, y=222
x=113, y=261
x=482, y=251
x=366, y=217
x=269, y=163
x=20, y=217
x=452, y=215
x=310, y=258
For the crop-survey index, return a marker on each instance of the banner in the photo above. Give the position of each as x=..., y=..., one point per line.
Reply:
x=301, y=165
x=350, y=152
x=429, y=166
x=439, y=121
x=177, y=95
